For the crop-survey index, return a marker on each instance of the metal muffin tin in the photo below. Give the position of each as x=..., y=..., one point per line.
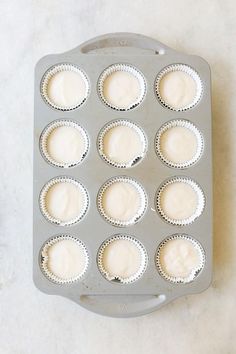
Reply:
x=151, y=291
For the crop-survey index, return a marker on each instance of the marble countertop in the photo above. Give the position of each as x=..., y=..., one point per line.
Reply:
x=34, y=323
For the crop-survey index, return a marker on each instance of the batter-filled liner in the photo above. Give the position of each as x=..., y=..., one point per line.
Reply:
x=122, y=259
x=122, y=144
x=178, y=87
x=122, y=87
x=122, y=201
x=65, y=87
x=64, y=259
x=180, y=258
x=63, y=201
x=64, y=143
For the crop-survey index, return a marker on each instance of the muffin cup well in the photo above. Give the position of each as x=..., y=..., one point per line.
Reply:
x=195, y=272
x=44, y=259
x=118, y=279
x=44, y=140
x=142, y=195
x=126, y=68
x=43, y=206
x=200, y=205
x=53, y=71
x=188, y=70
x=118, y=123
x=184, y=124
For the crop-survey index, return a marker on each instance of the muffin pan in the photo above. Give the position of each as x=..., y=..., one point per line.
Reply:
x=149, y=173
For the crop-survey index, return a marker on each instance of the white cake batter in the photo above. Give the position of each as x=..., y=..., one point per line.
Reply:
x=122, y=144
x=178, y=144
x=67, y=89
x=122, y=258
x=178, y=89
x=179, y=257
x=66, y=259
x=121, y=89
x=121, y=201
x=179, y=201
x=64, y=201
x=66, y=145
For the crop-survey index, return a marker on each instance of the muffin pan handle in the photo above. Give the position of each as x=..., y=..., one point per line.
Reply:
x=123, y=305
x=108, y=42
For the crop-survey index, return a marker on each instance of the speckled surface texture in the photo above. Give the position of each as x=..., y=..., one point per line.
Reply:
x=34, y=323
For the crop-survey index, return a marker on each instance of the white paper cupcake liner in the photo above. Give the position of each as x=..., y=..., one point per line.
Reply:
x=188, y=70
x=50, y=73
x=118, y=279
x=195, y=272
x=200, y=206
x=114, y=124
x=44, y=260
x=185, y=124
x=44, y=139
x=140, y=212
x=43, y=206
x=130, y=69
